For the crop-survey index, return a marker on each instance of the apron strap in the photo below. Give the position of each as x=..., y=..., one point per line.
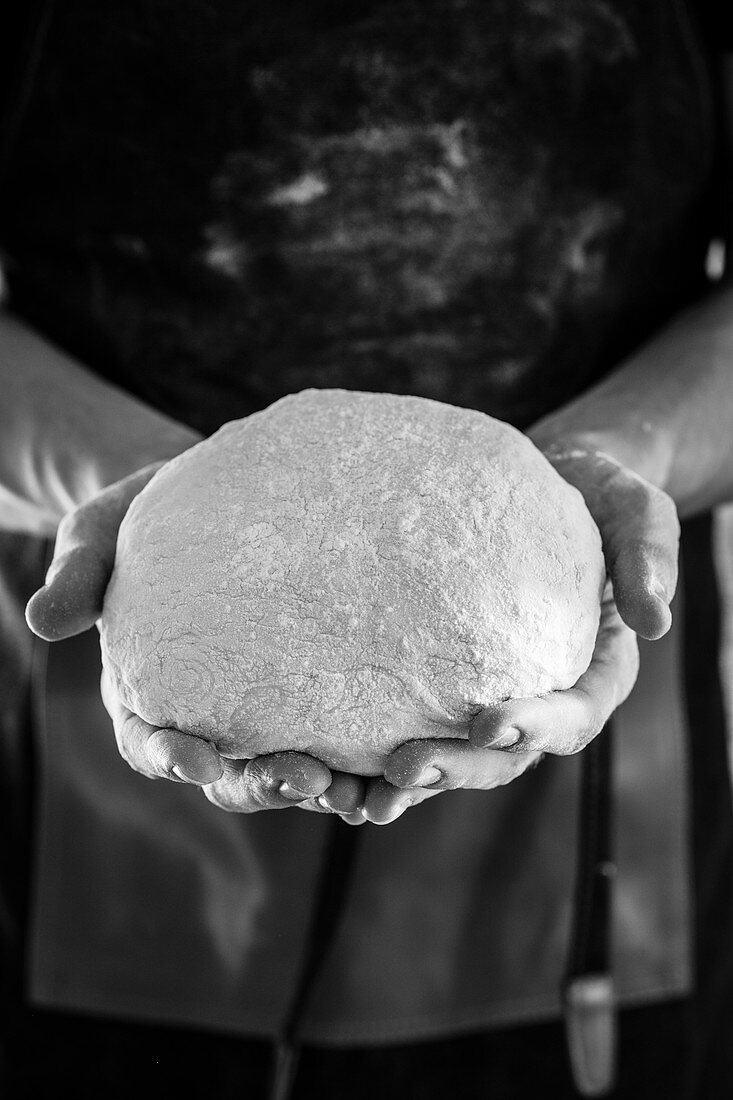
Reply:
x=337, y=868
x=588, y=993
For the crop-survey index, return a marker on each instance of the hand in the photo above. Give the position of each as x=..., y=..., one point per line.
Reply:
x=275, y=781
x=639, y=529
x=284, y=779
x=640, y=533
x=71, y=601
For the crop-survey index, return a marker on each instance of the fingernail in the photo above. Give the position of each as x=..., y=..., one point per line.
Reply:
x=290, y=792
x=196, y=763
x=207, y=773
x=181, y=774
x=505, y=740
x=429, y=776
x=321, y=802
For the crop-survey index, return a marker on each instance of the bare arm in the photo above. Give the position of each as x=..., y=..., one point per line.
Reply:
x=663, y=425
x=74, y=451
x=65, y=433
x=667, y=412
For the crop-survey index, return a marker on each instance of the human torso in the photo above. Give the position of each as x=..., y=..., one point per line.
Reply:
x=483, y=203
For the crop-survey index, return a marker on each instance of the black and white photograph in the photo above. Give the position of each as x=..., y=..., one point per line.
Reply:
x=366, y=549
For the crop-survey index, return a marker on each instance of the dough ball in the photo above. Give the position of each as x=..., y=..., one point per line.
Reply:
x=347, y=571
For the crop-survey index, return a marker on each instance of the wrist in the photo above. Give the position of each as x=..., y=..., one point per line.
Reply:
x=65, y=433
x=632, y=442
x=145, y=437
x=665, y=412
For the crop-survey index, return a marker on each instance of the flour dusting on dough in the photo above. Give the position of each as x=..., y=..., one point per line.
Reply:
x=344, y=572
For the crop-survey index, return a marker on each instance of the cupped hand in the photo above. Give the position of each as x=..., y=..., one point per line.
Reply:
x=284, y=779
x=275, y=781
x=71, y=601
x=639, y=529
x=640, y=534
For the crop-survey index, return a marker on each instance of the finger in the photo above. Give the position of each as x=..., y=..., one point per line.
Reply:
x=346, y=794
x=644, y=580
x=449, y=764
x=272, y=782
x=320, y=806
x=357, y=818
x=159, y=753
x=316, y=805
x=640, y=531
x=71, y=599
x=312, y=805
x=385, y=803
x=166, y=753
x=564, y=722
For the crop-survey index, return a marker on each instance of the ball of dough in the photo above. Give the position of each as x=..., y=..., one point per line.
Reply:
x=347, y=571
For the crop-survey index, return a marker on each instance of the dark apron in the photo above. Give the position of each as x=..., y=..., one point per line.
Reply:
x=458, y=917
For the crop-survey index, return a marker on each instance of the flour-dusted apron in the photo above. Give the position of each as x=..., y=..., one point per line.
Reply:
x=152, y=904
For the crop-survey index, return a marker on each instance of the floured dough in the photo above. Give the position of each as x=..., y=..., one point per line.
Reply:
x=346, y=571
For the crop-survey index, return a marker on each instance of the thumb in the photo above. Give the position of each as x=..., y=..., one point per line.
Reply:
x=640, y=531
x=71, y=599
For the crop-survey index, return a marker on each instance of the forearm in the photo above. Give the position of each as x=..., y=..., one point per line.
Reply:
x=667, y=412
x=65, y=433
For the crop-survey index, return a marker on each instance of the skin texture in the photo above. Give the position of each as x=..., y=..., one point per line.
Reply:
x=66, y=434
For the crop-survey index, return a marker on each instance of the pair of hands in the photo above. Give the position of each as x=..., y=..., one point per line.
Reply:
x=640, y=533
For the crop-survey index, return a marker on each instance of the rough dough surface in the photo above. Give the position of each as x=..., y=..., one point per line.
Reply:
x=346, y=571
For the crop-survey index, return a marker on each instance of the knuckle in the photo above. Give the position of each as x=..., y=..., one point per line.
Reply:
x=157, y=747
x=269, y=771
x=132, y=759
x=259, y=772
x=125, y=733
x=133, y=750
x=261, y=792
